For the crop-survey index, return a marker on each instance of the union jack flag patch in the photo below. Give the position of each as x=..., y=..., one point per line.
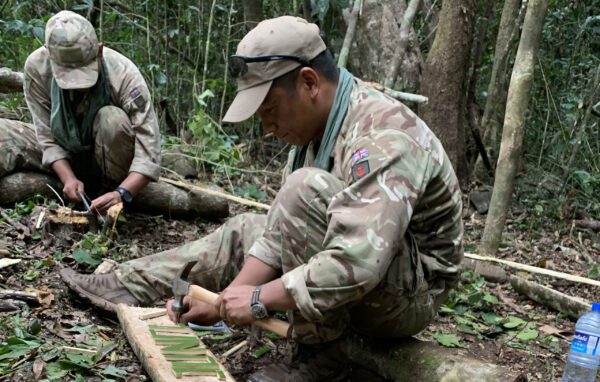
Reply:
x=360, y=154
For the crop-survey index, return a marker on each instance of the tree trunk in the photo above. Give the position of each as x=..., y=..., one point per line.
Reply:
x=444, y=80
x=512, y=137
x=375, y=41
x=10, y=82
x=253, y=13
x=493, y=112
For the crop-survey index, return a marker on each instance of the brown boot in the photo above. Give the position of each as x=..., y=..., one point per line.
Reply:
x=313, y=363
x=104, y=291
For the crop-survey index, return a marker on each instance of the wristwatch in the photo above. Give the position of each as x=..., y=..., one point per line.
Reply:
x=257, y=308
x=126, y=196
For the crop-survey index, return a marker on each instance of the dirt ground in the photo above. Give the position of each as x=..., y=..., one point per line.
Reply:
x=63, y=319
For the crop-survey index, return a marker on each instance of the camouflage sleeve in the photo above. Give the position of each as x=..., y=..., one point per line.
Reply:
x=135, y=99
x=37, y=97
x=367, y=221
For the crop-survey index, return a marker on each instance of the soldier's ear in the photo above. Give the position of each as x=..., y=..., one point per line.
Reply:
x=100, y=46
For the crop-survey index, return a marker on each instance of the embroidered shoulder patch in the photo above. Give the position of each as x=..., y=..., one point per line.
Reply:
x=359, y=170
x=134, y=93
x=140, y=102
x=360, y=154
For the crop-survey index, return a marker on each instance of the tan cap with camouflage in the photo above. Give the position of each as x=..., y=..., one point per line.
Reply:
x=272, y=49
x=73, y=47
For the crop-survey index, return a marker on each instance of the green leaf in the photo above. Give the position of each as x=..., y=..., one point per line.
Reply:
x=489, y=318
x=513, y=322
x=528, y=334
x=36, y=235
x=31, y=275
x=114, y=371
x=85, y=329
x=448, y=340
x=258, y=353
x=83, y=257
x=59, y=369
x=489, y=298
x=35, y=327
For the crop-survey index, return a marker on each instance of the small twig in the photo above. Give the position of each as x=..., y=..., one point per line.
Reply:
x=233, y=350
x=8, y=219
x=57, y=195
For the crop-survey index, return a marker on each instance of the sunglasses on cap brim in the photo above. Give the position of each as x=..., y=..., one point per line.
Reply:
x=238, y=65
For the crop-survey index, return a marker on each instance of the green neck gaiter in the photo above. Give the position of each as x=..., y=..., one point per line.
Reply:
x=334, y=122
x=63, y=125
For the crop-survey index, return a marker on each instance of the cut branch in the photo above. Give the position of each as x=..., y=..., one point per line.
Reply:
x=410, y=97
x=345, y=51
x=405, y=27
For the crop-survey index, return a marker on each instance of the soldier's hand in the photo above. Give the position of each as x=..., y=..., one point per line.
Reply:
x=198, y=312
x=70, y=189
x=104, y=202
x=234, y=304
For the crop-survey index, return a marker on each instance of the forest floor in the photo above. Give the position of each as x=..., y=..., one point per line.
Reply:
x=493, y=322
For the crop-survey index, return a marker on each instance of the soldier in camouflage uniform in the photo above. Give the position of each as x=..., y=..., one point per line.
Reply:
x=93, y=117
x=365, y=233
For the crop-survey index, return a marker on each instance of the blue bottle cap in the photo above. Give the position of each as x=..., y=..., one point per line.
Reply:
x=596, y=306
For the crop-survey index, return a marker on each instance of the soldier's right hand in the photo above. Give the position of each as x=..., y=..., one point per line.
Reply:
x=198, y=312
x=70, y=189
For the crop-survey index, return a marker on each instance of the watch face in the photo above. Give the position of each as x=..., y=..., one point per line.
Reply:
x=258, y=310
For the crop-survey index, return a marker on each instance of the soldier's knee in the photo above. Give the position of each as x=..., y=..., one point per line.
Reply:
x=111, y=122
x=305, y=186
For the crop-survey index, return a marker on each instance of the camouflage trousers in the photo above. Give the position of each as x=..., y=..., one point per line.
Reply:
x=399, y=306
x=114, y=143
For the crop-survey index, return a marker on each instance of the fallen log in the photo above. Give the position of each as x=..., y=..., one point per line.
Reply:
x=591, y=224
x=11, y=305
x=572, y=307
x=27, y=297
x=163, y=198
x=10, y=82
x=532, y=269
x=412, y=360
x=21, y=186
x=489, y=272
x=217, y=193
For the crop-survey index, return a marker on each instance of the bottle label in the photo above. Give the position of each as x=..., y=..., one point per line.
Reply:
x=584, y=343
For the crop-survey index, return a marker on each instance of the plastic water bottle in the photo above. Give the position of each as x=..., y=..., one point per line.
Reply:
x=584, y=357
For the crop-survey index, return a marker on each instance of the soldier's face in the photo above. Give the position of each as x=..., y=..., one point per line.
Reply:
x=290, y=117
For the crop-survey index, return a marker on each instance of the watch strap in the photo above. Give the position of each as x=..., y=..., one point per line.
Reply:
x=255, y=295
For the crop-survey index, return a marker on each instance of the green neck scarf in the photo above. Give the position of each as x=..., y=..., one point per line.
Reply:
x=334, y=122
x=63, y=125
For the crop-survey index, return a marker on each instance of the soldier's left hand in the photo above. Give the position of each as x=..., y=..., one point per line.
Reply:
x=233, y=304
x=104, y=202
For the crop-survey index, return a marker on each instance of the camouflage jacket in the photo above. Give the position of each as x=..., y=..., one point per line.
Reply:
x=397, y=177
x=128, y=92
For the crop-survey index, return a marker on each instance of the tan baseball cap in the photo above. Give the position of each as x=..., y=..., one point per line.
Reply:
x=285, y=35
x=73, y=47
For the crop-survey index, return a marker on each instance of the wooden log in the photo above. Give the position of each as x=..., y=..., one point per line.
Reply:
x=10, y=82
x=11, y=305
x=591, y=224
x=28, y=297
x=193, y=364
x=174, y=202
x=568, y=305
x=20, y=186
x=489, y=272
x=414, y=360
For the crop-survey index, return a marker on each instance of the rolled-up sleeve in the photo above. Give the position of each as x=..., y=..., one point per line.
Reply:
x=367, y=222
